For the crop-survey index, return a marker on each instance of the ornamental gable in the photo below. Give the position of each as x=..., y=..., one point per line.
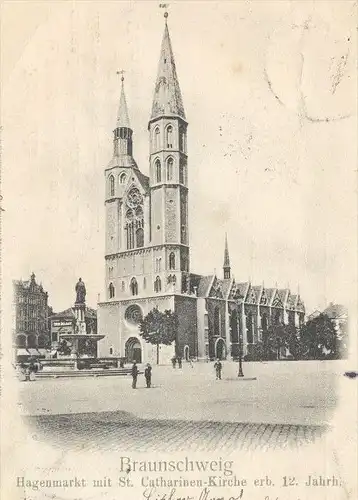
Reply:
x=276, y=300
x=235, y=292
x=216, y=290
x=284, y=294
x=264, y=300
x=251, y=296
x=292, y=302
x=243, y=289
x=258, y=292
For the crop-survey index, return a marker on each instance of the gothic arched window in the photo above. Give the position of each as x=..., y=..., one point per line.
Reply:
x=122, y=178
x=134, y=221
x=301, y=319
x=169, y=136
x=172, y=260
x=217, y=321
x=158, y=171
x=156, y=139
x=250, y=328
x=234, y=326
x=139, y=237
x=130, y=229
x=170, y=169
x=134, y=286
x=291, y=318
x=264, y=323
x=111, y=185
x=157, y=284
x=144, y=283
x=111, y=290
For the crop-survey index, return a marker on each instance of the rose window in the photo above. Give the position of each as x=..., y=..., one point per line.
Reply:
x=133, y=314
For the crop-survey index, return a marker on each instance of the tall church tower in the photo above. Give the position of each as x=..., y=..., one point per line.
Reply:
x=168, y=163
x=117, y=174
x=147, y=238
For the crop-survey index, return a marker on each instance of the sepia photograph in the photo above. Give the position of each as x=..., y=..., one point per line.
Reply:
x=179, y=250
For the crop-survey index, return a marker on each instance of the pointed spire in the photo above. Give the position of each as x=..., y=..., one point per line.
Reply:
x=167, y=98
x=122, y=135
x=123, y=116
x=226, y=253
x=226, y=267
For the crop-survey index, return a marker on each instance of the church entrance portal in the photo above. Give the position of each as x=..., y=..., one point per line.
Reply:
x=220, y=349
x=133, y=350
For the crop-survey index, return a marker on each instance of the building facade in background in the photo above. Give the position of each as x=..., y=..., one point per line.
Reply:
x=64, y=325
x=31, y=316
x=338, y=314
x=147, y=253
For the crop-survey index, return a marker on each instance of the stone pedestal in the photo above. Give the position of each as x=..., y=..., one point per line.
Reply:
x=74, y=352
x=79, y=310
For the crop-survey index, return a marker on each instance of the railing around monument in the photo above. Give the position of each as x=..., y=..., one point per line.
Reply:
x=82, y=363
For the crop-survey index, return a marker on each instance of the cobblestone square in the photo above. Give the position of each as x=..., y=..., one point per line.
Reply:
x=288, y=405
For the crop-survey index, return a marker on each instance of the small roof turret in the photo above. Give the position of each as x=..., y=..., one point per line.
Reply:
x=226, y=266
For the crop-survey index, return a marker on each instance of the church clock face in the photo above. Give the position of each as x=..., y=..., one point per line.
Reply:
x=134, y=198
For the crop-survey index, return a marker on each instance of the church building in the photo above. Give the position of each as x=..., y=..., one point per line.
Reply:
x=147, y=252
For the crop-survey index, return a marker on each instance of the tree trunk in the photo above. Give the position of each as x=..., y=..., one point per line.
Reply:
x=158, y=354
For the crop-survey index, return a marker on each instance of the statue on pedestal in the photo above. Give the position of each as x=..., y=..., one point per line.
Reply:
x=80, y=292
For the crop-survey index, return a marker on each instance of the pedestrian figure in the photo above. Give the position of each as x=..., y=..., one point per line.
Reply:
x=134, y=374
x=22, y=373
x=179, y=362
x=218, y=367
x=31, y=370
x=174, y=361
x=148, y=375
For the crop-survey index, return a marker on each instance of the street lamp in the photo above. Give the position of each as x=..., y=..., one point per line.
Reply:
x=241, y=373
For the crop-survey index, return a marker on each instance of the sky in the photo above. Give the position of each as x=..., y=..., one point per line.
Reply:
x=269, y=90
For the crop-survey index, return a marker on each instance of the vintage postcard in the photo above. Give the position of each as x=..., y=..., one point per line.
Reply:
x=179, y=250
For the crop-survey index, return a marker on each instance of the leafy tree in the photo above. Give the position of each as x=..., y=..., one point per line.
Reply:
x=159, y=328
x=294, y=343
x=319, y=338
x=275, y=339
x=280, y=336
